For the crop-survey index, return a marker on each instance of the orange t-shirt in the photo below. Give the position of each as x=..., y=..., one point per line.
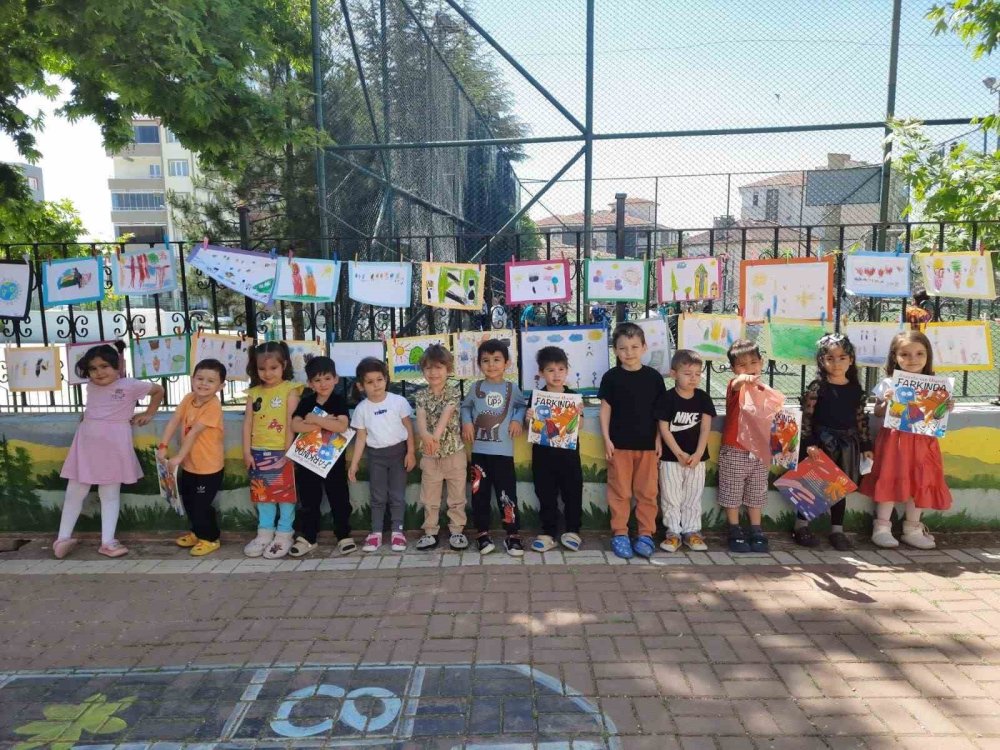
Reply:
x=731, y=428
x=207, y=455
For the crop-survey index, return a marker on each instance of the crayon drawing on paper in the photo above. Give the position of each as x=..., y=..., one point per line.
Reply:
x=32, y=368
x=232, y=351
x=382, y=284
x=615, y=280
x=404, y=355
x=586, y=348
x=146, y=271
x=709, y=335
x=15, y=289
x=466, y=351
x=72, y=281
x=799, y=288
x=871, y=341
x=877, y=274
x=458, y=286
x=301, y=352
x=961, y=345
x=160, y=356
x=689, y=279
x=962, y=275
x=306, y=279
x=534, y=281
x=250, y=274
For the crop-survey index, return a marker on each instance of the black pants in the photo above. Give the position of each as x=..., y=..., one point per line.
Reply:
x=557, y=472
x=496, y=473
x=197, y=492
x=310, y=487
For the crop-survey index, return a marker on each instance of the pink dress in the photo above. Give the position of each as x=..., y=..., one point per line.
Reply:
x=102, y=450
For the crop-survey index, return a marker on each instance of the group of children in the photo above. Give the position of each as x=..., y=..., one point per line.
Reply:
x=655, y=442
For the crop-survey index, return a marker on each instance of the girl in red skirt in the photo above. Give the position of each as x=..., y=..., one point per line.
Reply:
x=908, y=467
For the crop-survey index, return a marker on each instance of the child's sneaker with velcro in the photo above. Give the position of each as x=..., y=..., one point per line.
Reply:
x=372, y=542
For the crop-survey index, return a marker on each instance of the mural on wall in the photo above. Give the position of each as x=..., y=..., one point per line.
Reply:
x=585, y=346
x=72, y=281
x=15, y=289
x=689, y=279
x=146, y=271
x=456, y=286
x=961, y=345
x=382, y=284
x=466, y=351
x=709, y=335
x=799, y=288
x=961, y=275
x=306, y=279
x=404, y=354
x=868, y=274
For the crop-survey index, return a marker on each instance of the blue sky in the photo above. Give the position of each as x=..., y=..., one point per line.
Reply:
x=665, y=64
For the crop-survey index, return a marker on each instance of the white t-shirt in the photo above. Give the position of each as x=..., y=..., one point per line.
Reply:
x=383, y=421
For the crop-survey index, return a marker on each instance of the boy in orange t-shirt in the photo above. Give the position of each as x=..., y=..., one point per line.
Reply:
x=201, y=455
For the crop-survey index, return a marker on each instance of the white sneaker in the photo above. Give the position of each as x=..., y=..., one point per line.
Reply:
x=372, y=542
x=280, y=546
x=458, y=541
x=917, y=536
x=427, y=542
x=882, y=536
x=257, y=545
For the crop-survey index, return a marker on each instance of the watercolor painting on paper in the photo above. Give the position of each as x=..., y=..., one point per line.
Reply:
x=791, y=341
x=797, y=288
x=250, y=274
x=585, y=346
x=466, y=351
x=32, y=368
x=658, y=351
x=15, y=289
x=146, y=271
x=615, y=280
x=306, y=280
x=877, y=274
x=689, y=279
x=160, y=356
x=232, y=351
x=962, y=275
x=961, y=345
x=381, y=284
x=534, y=281
x=404, y=354
x=871, y=341
x=709, y=335
x=72, y=281
x=457, y=286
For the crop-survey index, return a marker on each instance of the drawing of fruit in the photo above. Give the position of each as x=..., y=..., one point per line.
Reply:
x=956, y=270
x=938, y=267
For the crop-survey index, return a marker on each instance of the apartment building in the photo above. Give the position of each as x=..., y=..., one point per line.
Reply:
x=144, y=174
x=33, y=175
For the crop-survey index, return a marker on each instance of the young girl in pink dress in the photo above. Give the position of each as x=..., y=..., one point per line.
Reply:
x=102, y=451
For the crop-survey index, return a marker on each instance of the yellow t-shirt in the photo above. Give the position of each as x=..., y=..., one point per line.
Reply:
x=207, y=455
x=270, y=423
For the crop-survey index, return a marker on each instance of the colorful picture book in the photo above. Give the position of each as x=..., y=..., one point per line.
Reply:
x=168, y=485
x=814, y=485
x=534, y=281
x=457, y=286
x=250, y=274
x=382, y=284
x=586, y=348
x=306, y=279
x=465, y=347
x=615, y=280
x=146, y=271
x=963, y=275
x=15, y=289
x=404, y=354
x=320, y=449
x=32, y=368
x=961, y=345
x=786, y=438
x=72, y=281
x=272, y=480
x=709, y=335
x=919, y=403
x=160, y=356
x=868, y=274
x=799, y=288
x=232, y=351
x=689, y=279
x=556, y=419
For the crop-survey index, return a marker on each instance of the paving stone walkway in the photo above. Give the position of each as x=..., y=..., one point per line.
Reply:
x=865, y=651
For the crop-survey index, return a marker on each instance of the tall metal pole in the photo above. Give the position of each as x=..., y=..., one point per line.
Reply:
x=620, y=244
x=324, y=227
x=390, y=198
x=588, y=138
x=890, y=112
x=248, y=304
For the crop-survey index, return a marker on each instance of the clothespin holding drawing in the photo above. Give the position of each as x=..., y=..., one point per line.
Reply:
x=204, y=242
x=899, y=248
x=273, y=253
x=982, y=248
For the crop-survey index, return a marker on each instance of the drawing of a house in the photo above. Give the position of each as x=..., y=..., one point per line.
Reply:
x=700, y=281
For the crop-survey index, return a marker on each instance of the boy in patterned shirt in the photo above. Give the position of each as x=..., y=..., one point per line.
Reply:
x=443, y=461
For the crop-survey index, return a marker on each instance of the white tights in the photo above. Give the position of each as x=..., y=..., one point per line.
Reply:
x=884, y=510
x=76, y=493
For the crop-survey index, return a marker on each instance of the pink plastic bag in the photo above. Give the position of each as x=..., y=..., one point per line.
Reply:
x=759, y=405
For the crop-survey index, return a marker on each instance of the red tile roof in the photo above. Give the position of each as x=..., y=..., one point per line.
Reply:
x=598, y=219
x=774, y=180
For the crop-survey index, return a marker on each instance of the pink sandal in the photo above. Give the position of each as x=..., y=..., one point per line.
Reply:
x=114, y=548
x=62, y=547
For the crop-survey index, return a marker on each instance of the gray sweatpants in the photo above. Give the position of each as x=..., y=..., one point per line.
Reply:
x=387, y=483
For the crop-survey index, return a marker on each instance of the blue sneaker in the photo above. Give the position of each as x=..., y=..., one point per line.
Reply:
x=737, y=540
x=644, y=546
x=622, y=547
x=758, y=542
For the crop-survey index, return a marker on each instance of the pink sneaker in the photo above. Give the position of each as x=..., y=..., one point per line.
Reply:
x=398, y=541
x=62, y=547
x=372, y=542
x=114, y=548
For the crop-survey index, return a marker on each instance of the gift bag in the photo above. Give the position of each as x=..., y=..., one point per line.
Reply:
x=759, y=405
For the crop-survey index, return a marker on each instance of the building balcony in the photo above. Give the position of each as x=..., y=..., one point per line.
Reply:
x=138, y=149
x=139, y=217
x=150, y=184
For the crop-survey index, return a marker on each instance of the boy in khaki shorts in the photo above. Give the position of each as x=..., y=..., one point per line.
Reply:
x=443, y=462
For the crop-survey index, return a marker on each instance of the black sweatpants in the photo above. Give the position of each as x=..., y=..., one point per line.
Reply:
x=557, y=472
x=310, y=487
x=496, y=473
x=197, y=493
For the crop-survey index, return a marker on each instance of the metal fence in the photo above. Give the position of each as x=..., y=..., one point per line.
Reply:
x=201, y=304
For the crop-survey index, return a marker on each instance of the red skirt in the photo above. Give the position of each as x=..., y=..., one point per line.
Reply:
x=907, y=467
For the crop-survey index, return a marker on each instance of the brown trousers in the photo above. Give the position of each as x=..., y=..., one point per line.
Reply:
x=451, y=472
x=633, y=473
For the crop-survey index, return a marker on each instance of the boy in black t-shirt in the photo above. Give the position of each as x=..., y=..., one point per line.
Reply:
x=322, y=375
x=628, y=394
x=556, y=471
x=685, y=413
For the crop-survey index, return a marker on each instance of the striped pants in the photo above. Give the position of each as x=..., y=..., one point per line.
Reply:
x=680, y=496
